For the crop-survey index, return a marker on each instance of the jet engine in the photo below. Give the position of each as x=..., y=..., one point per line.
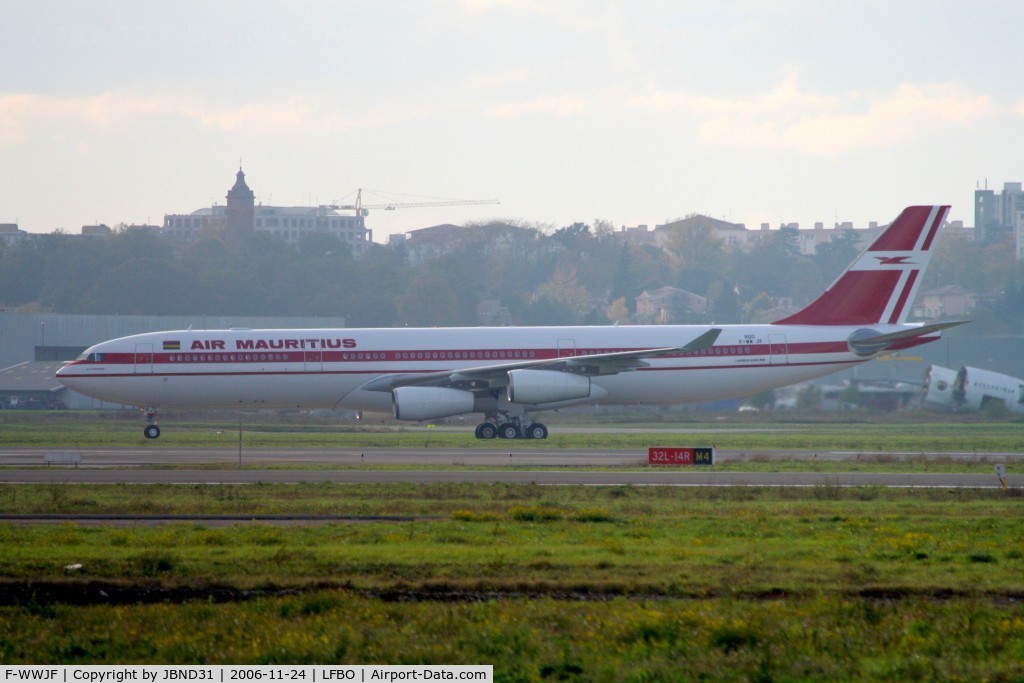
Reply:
x=534, y=387
x=428, y=403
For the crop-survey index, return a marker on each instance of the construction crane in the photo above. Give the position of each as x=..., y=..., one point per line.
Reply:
x=362, y=209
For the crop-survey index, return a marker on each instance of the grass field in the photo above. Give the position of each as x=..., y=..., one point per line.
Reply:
x=546, y=583
x=611, y=583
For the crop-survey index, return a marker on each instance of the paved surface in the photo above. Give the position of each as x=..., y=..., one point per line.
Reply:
x=654, y=478
x=150, y=465
x=479, y=457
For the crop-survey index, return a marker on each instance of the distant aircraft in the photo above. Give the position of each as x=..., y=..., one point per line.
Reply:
x=970, y=389
x=509, y=373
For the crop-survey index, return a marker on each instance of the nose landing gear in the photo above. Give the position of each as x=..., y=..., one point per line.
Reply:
x=151, y=430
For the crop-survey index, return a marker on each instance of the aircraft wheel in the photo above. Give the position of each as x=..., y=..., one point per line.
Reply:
x=486, y=431
x=151, y=432
x=536, y=431
x=508, y=431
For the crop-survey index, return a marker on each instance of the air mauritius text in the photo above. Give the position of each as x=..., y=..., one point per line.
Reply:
x=276, y=344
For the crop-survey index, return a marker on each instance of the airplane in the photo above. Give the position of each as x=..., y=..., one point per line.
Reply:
x=971, y=389
x=509, y=373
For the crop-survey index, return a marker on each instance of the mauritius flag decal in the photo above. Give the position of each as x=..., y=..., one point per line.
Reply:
x=172, y=346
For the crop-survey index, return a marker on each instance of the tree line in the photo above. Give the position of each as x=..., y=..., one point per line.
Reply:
x=572, y=275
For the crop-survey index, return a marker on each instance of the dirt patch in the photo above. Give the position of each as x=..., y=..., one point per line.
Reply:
x=91, y=592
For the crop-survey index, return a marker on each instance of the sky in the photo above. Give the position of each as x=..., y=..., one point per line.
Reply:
x=631, y=112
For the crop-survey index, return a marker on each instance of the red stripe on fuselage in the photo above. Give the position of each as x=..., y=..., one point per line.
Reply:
x=760, y=352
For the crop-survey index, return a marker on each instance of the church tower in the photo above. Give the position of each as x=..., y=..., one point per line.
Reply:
x=240, y=216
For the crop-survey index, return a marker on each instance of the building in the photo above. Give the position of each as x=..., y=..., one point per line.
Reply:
x=10, y=233
x=999, y=212
x=101, y=230
x=733, y=235
x=951, y=301
x=491, y=313
x=242, y=216
x=737, y=236
x=240, y=212
x=669, y=305
x=439, y=240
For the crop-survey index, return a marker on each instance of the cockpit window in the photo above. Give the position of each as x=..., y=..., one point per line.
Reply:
x=93, y=357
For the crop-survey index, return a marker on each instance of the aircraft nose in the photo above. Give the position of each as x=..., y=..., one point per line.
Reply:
x=64, y=373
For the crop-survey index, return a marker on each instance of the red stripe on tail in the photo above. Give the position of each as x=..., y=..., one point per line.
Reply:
x=897, y=311
x=903, y=233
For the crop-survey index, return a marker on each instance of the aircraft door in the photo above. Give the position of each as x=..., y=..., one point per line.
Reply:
x=143, y=359
x=566, y=348
x=778, y=349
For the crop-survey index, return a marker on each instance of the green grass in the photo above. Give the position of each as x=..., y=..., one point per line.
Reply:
x=545, y=583
x=614, y=583
x=660, y=541
x=548, y=639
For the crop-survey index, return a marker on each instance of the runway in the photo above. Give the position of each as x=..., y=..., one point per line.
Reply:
x=478, y=466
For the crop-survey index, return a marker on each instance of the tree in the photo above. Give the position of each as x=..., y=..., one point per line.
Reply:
x=545, y=311
x=809, y=398
x=141, y=286
x=603, y=227
x=571, y=233
x=618, y=312
x=427, y=302
x=723, y=302
x=565, y=292
x=324, y=245
x=699, y=256
x=773, y=267
x=623, y=283
x=23, y=269
x=762, y=401
x=834, y=256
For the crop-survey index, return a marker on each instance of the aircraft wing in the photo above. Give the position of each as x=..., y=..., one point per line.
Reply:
x=493, y=376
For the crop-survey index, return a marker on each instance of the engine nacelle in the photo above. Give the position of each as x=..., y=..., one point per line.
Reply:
x=428, y=403
x=546, y=386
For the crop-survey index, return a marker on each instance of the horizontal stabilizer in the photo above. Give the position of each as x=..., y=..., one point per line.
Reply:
x=866, y=342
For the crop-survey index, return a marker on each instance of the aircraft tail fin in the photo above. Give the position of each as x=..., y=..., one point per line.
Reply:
x=879, y=287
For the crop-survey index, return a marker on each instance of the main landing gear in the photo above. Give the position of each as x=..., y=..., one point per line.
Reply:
x=151, y=431
x=511, y=429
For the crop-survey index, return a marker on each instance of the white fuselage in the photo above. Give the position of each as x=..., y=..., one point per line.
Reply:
x=330, y=368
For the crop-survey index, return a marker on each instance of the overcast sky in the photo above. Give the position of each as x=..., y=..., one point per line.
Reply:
x=630, y=112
